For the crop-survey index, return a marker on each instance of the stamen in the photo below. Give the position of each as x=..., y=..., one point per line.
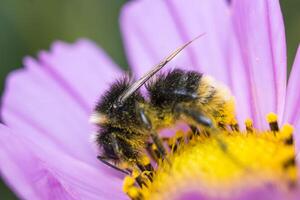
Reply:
x=176, y=140
x=229, y=161
x=146, y=163
x=130, y=189
x=287, y=134
x=139, y=178
x=194, y=130
x=249, y=125
x=272, y=119
x=234, y=125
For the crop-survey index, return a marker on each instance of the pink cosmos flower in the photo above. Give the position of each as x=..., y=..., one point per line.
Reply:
x=45, y=151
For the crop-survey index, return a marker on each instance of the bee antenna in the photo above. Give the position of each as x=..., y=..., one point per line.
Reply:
x=136, y=85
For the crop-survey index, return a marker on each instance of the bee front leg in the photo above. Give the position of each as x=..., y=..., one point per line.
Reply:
x=104, y=161
x=197, y=116
x=153, y=134
x=159, y=144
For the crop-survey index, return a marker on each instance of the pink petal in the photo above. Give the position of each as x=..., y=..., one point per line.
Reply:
x=251, y=193
x=82, y=69
x=42, y=103
x=291, y=112
x=153, y=29
x=25, y=173
x=238, y=83
x=260, y=32
x=46, y=173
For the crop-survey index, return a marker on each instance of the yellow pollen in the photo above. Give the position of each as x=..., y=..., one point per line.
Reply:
x=127, y=183
x=145, y=160
x=271, y=117
x=286, y=131
x=248, y=123
x=200, y=164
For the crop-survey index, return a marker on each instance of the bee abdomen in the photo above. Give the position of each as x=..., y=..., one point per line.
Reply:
x=216, y=100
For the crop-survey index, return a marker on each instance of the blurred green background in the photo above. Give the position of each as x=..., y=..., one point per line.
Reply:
x=27, y=26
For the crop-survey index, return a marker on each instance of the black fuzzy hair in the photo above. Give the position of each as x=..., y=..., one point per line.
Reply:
x=112, y=94
x=174, y=87
x=124, y=113
x=108, y=136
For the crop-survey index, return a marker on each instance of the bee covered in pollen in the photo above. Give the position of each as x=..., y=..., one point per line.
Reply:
x=129, y=122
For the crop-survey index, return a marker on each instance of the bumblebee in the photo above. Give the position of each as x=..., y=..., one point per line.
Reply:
x=128, y=120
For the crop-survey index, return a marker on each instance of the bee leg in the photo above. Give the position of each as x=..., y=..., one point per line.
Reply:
x=201, y=119
x=159, y=144
x=156, y=140
x=152, y=152
x=197, y=116
x=104, y=161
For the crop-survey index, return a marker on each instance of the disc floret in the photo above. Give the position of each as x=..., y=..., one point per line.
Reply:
x=247, y=160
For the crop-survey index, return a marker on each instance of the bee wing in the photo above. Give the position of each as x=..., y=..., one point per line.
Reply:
x=136, y=85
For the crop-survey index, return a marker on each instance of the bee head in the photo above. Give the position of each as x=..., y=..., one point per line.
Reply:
x=110, y=111
x=114, y=146
x=106, y=141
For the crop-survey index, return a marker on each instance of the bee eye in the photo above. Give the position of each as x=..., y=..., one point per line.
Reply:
x=110, y=152
x=117, y=104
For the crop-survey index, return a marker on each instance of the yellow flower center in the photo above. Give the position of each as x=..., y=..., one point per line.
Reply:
x=221, y=162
